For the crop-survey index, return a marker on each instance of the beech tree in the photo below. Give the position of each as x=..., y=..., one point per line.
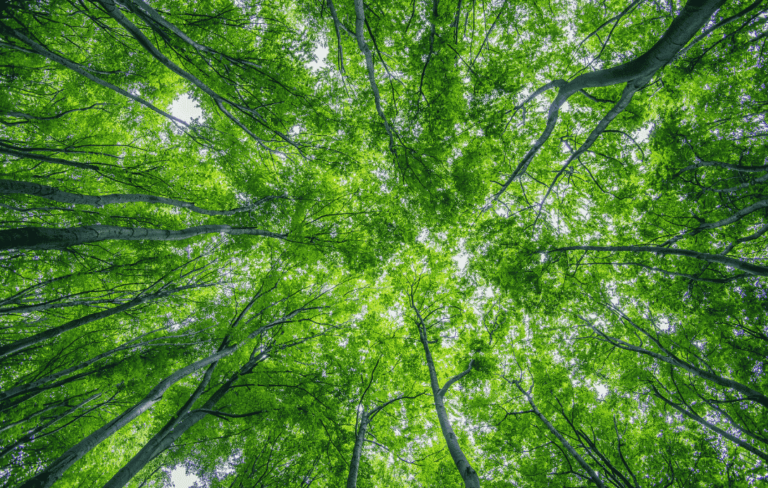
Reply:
x=479, y=244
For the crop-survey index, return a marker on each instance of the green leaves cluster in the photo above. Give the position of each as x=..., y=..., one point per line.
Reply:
x=526, y=246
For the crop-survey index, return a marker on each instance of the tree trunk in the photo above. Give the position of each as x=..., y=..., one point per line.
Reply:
x=354, y=465
x=467, y=473
x=693, y=16
x=363, y=46
x=696, y=418
x=53, y=238
x=179, y=424
x=56, y=469
x=150, y=449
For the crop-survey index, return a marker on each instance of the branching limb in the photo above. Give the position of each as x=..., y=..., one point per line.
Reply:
x=592, y=474
x=337, y=25
x=720, y=223
x=635, y=73
x=456, y=378
x=696, y=418
x=752, y=269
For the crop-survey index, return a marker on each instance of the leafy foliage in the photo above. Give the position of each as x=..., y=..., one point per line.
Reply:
x=481, y=244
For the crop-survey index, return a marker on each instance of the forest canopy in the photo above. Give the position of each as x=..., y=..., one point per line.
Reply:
x=427, y=243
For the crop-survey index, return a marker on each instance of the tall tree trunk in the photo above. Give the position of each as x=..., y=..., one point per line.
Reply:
x=365, y=421
x=635, y=73
x=150, y=449
x=53, y=238
x=357, y=451
x=697, y=418
x=710, y=258
x=56, y=469
x=179, y=424
x=363, y=46
x=467, y=473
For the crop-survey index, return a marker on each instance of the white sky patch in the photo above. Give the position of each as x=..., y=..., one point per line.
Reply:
x=461, y=260
x=181, y=479
x=186, y=109
x=663, y=323
x=462, y=257
x=642, y=134
x=320, y=53
x=602, y=390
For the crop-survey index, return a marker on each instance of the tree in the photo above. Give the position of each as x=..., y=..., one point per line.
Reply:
x=481, y=244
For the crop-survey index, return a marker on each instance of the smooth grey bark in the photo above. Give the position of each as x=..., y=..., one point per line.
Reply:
x=752, y=269
x=336, y=24
x=58, y=467
x=467, y=473
x=354, y=465
x=635, y=73
x=53, y=238
x=151, y=448
x=186, y=418
x=722, y=23
x=612, y=473
x=22, y=344
x=592, y=474
x=145, y=11
x=10, y=187
x=626, y=98
x=720, y=223
x=153, y=20
x=671, y=359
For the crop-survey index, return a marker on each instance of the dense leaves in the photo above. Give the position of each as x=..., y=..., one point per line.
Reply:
x=485, y=244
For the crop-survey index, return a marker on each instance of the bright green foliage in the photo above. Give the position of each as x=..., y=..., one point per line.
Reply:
x=513, y=243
